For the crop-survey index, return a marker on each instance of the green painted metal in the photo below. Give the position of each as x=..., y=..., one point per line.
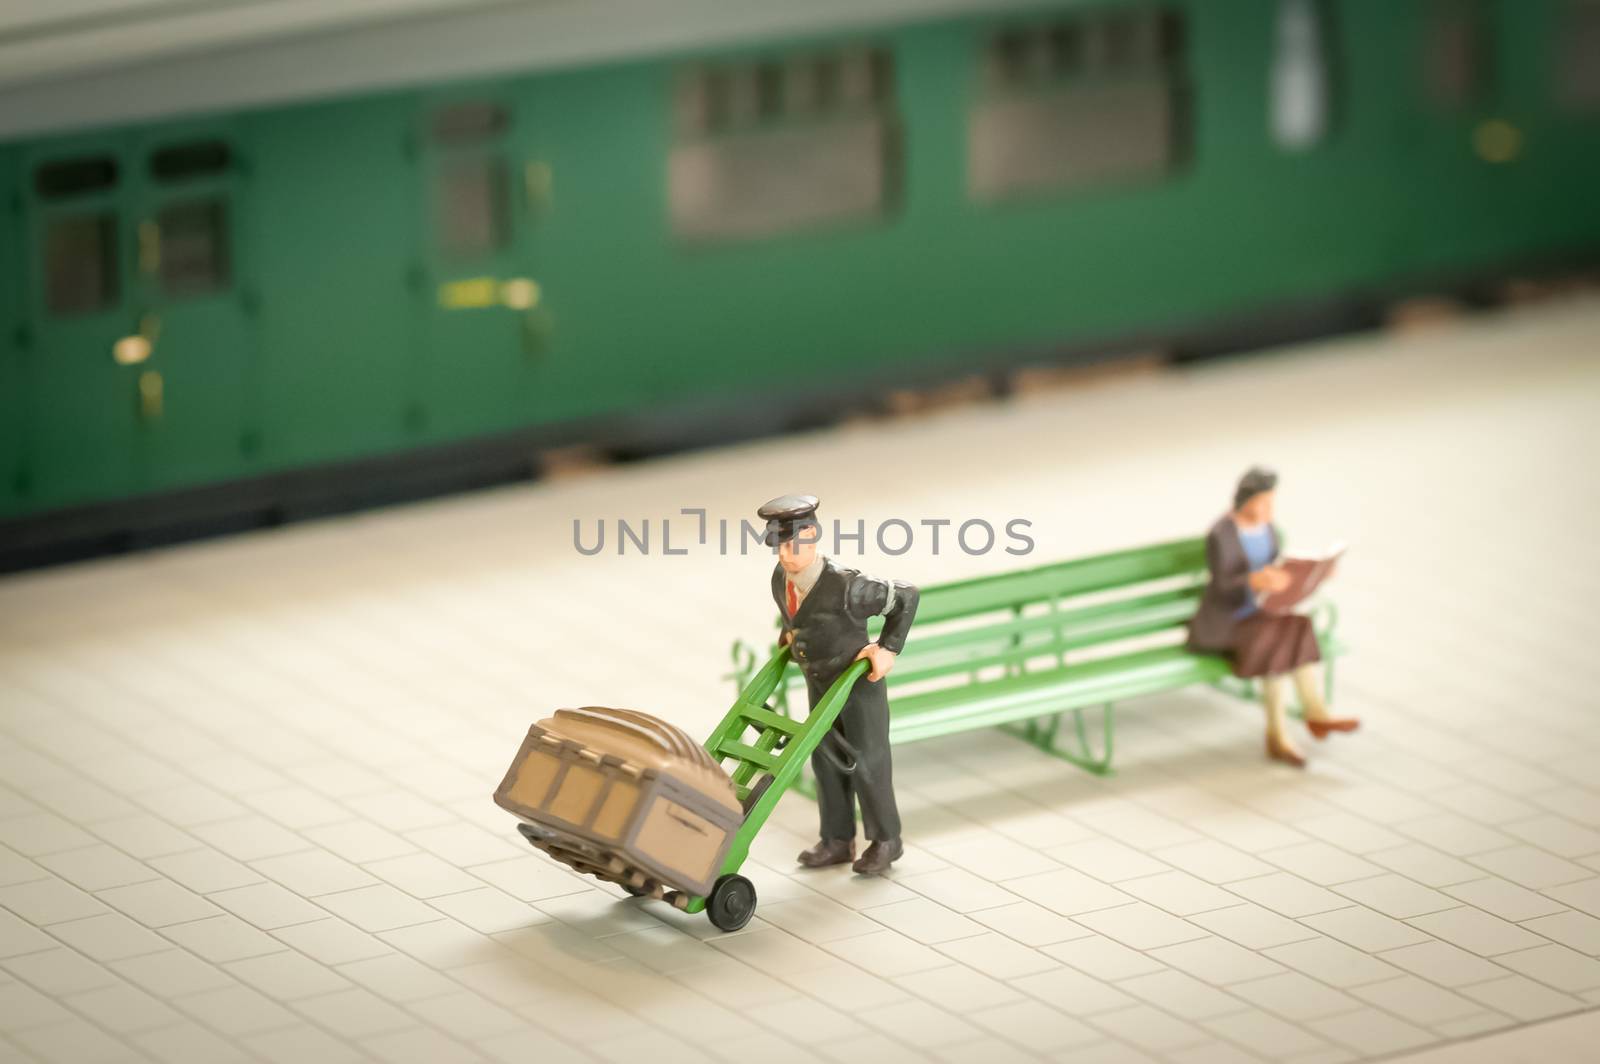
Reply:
x=781, y=749
x=1032, y=614
x=348, y=352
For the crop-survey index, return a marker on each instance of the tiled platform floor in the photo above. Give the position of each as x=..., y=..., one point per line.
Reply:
x=245, y=806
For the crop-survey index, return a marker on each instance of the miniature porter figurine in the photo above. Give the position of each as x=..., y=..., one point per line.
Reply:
x=1242, y=554
x=824, y=610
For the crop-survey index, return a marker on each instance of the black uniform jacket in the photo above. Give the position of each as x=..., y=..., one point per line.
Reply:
x=830, y=628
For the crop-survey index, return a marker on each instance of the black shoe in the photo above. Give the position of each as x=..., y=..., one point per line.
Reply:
x=879, y=856
x=828, y=852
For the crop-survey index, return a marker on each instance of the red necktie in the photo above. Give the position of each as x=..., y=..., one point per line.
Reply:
x=794, y=599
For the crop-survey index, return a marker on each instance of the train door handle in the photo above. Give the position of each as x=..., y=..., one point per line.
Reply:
x=133, y=349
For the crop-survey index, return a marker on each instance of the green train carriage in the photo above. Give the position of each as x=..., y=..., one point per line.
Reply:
x=225, y=316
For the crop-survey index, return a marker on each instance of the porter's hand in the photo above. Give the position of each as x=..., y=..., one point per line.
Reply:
x=882, y=660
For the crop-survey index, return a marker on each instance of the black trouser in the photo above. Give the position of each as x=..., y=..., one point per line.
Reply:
x=864, y=725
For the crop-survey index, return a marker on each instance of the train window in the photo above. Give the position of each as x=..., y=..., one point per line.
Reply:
x=1577, y=68
x=80, y=263
x=183, y=162
x=775, y=145
x=1087, y=98
x=473, y=207
x=195, y=257
x=1455, y=64
x=469, y=123
x=75, y=177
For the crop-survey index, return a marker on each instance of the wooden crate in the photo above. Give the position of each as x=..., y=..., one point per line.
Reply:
x=624, y=796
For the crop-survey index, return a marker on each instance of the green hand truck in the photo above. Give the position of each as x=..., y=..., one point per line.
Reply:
x=764, y=769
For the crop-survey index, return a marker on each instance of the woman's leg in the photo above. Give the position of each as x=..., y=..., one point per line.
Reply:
x=1279, y=748
x=1308, y=682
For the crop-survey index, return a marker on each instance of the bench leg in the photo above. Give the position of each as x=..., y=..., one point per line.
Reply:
x=1044, y=733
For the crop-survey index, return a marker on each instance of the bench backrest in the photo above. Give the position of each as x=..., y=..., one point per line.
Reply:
x=1021, y=619
x=1030, y=619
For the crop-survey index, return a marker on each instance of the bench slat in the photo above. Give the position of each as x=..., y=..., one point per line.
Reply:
x=1003, y=701
x=1080, y=576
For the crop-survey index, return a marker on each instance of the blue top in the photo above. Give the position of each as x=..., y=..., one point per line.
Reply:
x=1257, y=546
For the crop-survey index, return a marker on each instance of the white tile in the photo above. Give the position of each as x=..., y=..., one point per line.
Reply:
x=204, y=870
x=959, y=989
x=924, y=921
x=1287, y=895
x=1530, y=867
x=1107, y=860
x=222, y=938
x=1416, y=1000
x=1294, y=996
x=1141, y=926
x=818, y=919
x=313, y=873
x=286, y=975
x=1522, y=997
x=1332, y=962
x=266, y=905
x=58, y=972
x=1442, y=963
x=1365, y=929
x=159, y=903
x=43, y=902
x=122, y=1009
x=1475, y=930
x=1036, y=1026
x=1321, y=863
x=97, y=867
x=1067, y=891
x=1397, y=897
x=1577, y=930
x=108, y=937
x=1556, y=966
x=354, y=1013
x=1252, y=926
x=1075, y=992
x=377, y=908
x=1370, y=1031
x=1182, y=995
x=960, y=890
x=1213, y=861
x=1102, y=958
x=487, y=909
x=1217, y=961
x=1179, y=892
x=236, y=1011
x=997, y=956
x=1505, y=899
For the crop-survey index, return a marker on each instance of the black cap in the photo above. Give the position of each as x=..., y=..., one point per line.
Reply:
x=786, y=515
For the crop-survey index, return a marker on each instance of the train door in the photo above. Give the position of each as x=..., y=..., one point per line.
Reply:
x=482, y=305
x=1463, y=135
x=193, y=306
x=80, y=342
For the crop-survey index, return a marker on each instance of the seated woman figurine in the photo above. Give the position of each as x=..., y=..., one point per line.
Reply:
x=1241, y=550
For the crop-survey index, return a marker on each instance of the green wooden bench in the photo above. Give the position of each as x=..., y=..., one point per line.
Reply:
x=1038, y=651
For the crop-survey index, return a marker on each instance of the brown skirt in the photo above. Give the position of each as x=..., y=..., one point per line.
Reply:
x=1266, y=644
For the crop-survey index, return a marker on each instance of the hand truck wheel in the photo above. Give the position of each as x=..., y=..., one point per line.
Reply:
x=732, y=902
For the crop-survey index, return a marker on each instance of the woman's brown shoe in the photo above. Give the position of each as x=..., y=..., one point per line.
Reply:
x=1321, y=729
x=1280, y=750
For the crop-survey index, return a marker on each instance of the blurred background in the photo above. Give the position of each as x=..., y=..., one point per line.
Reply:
x=266, y=259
